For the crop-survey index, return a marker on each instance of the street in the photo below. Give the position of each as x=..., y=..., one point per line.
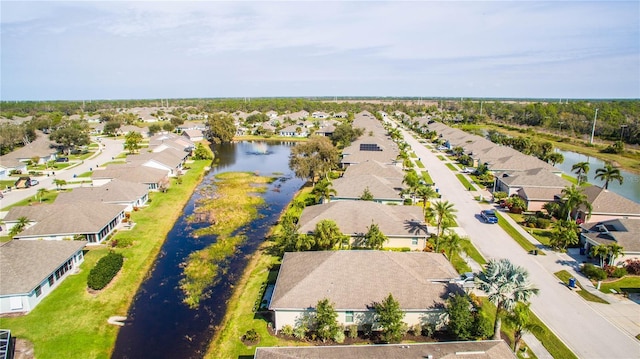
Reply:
x=582, y=328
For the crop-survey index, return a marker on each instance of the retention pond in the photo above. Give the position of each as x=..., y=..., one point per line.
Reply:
x=159, y=324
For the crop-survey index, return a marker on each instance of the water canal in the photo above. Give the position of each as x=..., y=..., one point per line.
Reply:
x=629, y=188
x=159, y=324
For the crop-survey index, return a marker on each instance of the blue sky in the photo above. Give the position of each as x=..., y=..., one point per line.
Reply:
x=159, y=49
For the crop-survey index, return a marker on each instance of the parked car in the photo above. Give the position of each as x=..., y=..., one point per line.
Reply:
x=62, y=159
x=489, y=216
x=34, y=182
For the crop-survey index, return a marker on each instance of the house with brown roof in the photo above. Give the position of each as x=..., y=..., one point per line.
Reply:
x=404, y=226
x=485, y=349
x=91, y=221
x=608, y=205
x=33, y=269
x=624, y=232
x=129, y=194
x=193, y=135
x=354, y=280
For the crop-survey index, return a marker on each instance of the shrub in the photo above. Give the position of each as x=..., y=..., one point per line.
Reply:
x=338, y=337
x=287, y=330
x=632, y=266
x=104, y=271
x=543, y=223
x=615, y=272
x=594, y=273
x=530, y=221
x=123, y=242
x=300, y=331
x=416, y=329
x=428, y=329
x=352, y=331
x=251, y=336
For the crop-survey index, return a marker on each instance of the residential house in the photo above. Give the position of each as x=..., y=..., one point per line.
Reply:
x=92, y=221
x=294, y=131
x=404, y=226
x=485, y=349
x=155, y=179
x=159, y=142
x=607, y=205
x=341, y=115
x=326, y=131
x=354, y=280
x=129, y=194
x=193, y=135
x=8, y=165
x=33, y=269
x=168, y=159
x=320, y=114
x=624, y=232
x=272, y=114
x=536, y=186
x=41, y=148
x=131, y=128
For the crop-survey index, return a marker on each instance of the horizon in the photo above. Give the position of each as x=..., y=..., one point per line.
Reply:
x=99, y=50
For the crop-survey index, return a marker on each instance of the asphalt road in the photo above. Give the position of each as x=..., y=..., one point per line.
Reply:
x=109, y=148
x=584, y=330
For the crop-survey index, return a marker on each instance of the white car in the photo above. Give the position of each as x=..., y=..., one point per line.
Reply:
x=33, y=182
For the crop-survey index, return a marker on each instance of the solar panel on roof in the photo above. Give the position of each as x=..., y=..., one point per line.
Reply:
x=369, y=147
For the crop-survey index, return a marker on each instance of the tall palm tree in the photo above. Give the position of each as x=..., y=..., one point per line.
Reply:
x=573, y=197
x=521, y=322
x=505, y=285
x=609, y=173
x=323, y=190
x=452, y=244
x=425, y=193
x=59, y=183
x=443, y=213
x=20, y=226
x=601, y=252
x=614, y=251
x=41, y=193
x=327, y=234
x=581, y=169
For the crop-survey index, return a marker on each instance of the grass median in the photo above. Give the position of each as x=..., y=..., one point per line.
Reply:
x=519, y=238
x=71, y=322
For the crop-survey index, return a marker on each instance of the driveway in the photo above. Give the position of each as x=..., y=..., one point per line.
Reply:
x=587, y=332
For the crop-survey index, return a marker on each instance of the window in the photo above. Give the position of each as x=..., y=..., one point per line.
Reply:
x=348, y=317
x=38, y=291
x=414, y=241
x=51, y=280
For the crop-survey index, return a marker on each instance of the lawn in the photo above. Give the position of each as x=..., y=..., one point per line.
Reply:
x=413, y=155
x=442, y=158
x=48, y=197
x=452, y=167
x=72, y=323
x=419, y=164
x=426, y=177
x=463, y=179
x=519, y=238
x=472, y=252
x=629, y=284
x=564, y=276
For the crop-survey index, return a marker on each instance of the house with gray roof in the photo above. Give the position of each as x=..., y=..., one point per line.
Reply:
x=624, y=232
x=33, y=269
x=155, y=179
x=42, y=148
x=129, y=194
x=384, y=190
x=485, y=349
x=536, y=186
x=607, y=205
x=91, y=221
x=294, y=131
x=160, y=142
x=404, y=226
x=168, y=159
x=354, y=280
x=193, y=135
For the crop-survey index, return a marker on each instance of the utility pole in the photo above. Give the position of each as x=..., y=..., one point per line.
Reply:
x=593, y=129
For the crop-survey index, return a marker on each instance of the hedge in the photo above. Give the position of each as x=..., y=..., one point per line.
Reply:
x=104, y=271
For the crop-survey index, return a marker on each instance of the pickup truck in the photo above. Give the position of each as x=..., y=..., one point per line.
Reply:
x=489, y=216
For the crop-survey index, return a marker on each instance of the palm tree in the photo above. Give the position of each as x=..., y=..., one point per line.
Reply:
x=41, y=193
x=601, y=252
x=323, y=191
x=521, y=322
x=573, y=198
x=59, y=183
x=453, y=244
x=20, y=226
x=609, y=173
x=564, y=234
x=425, y=193
x=615, y=250
x=327, y=234
x=505, y=285
x=581, y=169
x=443, y=213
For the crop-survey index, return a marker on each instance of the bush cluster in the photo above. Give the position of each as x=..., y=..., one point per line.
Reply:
x=104, y=271
x=594, y=273
x=534, y=221
x=632, y=266
x=615, y=272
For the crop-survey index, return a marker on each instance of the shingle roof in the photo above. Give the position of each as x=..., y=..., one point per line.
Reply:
x=540, y=193
x=65, y=219
x=380, y=187
x=129, y=173
x=356, y=279
x=606, y=202
x=354, y=217
x=535, y=177
x=170, y=157
x=487, y=349
x=111, y=192
x=624, y=231
x=25, y=264
x=384, y=170
x=40, y=147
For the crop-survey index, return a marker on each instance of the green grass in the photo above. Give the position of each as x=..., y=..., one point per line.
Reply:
x=452, y=167
x=472, y=252
x=49, y=197
x=72, y=323
x=426, y=177
x=413, y=155
x=542, y=235
x=519, y=238
x=629, y=284
x=442, y=158
x=460, y=264
x=465, y=182
x=564, y=276
x=6, y=183
x=419, y=164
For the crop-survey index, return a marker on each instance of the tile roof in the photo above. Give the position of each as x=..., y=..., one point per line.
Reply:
x=25, y=264
x=354, y=217
x=486, y=349
x=355, y=279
